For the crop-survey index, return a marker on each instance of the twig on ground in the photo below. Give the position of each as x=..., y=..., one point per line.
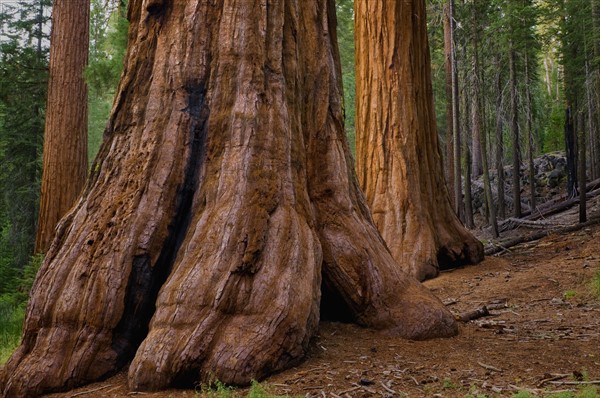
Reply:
x=552, y=378
x=489, y=367
x=386, y=388
x=348, y=390
x=574, y=383
x=90, y=391
x=367, y=389
x=472, y=315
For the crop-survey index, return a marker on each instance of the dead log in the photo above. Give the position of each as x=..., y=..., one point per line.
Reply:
x=503, y=245
x=562, y=202
x=474, y=314
x=514, y=223
x=531, y=220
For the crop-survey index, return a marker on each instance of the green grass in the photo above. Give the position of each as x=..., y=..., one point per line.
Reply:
x=523, y=394
x=596, y=283
x=586, y=392
x=217, y=389
x=11, y=322
x=258, y=390
x=12, y=309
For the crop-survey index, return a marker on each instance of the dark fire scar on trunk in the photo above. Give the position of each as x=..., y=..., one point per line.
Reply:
x=145, y=279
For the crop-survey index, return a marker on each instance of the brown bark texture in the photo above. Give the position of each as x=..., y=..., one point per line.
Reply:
x=515, y=134
x=449, y=166
x=398, y=158
x=222, y=215
x=65, y=133
x=499, y=146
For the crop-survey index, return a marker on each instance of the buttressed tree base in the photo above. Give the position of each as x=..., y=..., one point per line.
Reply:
x=221, y=216
x=397, y=150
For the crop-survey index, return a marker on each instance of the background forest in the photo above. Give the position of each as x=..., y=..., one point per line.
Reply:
x=518, y=66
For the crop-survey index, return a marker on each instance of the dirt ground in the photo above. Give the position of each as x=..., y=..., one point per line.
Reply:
x=542, y=335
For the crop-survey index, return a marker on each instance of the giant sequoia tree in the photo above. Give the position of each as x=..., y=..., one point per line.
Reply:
x=65, y=133
x=221, y=215
x=398, y=159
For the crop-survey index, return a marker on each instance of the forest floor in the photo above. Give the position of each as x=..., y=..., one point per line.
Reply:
x=542, y=334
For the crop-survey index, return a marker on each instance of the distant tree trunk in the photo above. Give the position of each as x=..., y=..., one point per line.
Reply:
x=467, y=137
x=592, y=125
x=221, y=214
x=449, y=109
x=499, y=147
x=592, y=91
x=530, y=141
x=458, y=199
x=479, y=138
x=398, y=159
x=467, y=188
x=38, y=111
x=476, y=167
x=581, y=174
x=571, y=154
x=476, y=161
x=516, y=177
x=65, y=137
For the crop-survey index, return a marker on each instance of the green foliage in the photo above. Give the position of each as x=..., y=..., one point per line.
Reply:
x=587, y=392
x=553, y=128
x=217, y=389
x=108, y=28
x=13, y=298
x=345, y=32
x=523, y=394
x=448, y=384
x=596, y=283
x=23, y=85
x=258, y=390
x=11, y=321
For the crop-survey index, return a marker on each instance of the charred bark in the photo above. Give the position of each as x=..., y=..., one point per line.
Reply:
x=571, y=153
x=398, y=157
x=222, y=196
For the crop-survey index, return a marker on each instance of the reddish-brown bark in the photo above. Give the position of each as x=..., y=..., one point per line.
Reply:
x=65, y=132
x=398, y=158
x=222, y=200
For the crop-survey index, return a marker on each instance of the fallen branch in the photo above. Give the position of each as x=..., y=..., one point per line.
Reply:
x=504, y=245
x=489, y=367
x=574, y=383
x=472, y=315
x=90, y=391
x=367, y=389
x=561, y=203
x=552, y=378
x=513, y=223
x=386, y=388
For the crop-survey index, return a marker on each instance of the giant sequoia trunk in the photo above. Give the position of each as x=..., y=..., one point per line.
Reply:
x=398, y=159
x=65, y=133
x=222, y=212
